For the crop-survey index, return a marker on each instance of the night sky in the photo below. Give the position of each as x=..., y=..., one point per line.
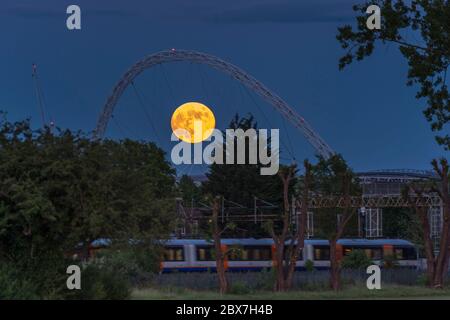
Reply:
x=365, y=112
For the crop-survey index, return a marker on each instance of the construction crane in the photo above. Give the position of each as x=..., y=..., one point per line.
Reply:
x=40, y=97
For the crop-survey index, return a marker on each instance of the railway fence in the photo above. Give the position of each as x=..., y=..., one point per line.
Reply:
x=308, y=280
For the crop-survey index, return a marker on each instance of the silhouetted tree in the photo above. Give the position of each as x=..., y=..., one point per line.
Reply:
x=59, y=189
x=421, y=30
x=333, y=178
x=289, y=243
x=240, y=183
x=437, y=265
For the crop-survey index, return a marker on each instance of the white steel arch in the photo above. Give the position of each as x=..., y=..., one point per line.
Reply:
x=173, y=55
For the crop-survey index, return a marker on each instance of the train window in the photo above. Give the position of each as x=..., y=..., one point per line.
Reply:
x=250, y=253
x=321, y=253
x=261, y=253
x=236, y=254
x=205, y=253
x=256, y=255
x=173, y=254
x=405, y=253
x=374, y=253
x=266, y=253
x=300, y=256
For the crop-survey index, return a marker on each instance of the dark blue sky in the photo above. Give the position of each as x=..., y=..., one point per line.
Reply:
x=365, y=112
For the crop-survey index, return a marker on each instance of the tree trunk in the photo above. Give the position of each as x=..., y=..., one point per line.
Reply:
x=335, y=271
x=291, y=267
x=280, y=240
x=437, y=267
x=443, y=192
x=438, y=281
x=442, y=259
x=280, y=284
x=429, y=250
x=302, y=220
x=300, y=236
x=220, y=267
x=335, y=264
x=446, y=265
x=220, y=258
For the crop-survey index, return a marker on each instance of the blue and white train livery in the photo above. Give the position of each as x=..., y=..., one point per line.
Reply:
x=193, y=255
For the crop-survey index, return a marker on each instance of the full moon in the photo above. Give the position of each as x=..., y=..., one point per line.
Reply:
x=193, y=122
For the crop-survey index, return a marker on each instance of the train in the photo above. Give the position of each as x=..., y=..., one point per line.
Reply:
x=197, y=255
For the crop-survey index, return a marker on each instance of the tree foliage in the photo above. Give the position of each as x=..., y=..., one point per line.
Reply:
x=241, y=182
x=356, y=259
x=421, y=29
x=59, y=190
x=188, y=190
x=334, y=178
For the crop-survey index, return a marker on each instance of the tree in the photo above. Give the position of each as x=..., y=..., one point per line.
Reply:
x=422, y=33
x=437, y=265
x=280, y=238
x=356, y=259
x=218, y=249
x=286, y=255
x=214, y=234
x=60, y=189
x=402, y=223
x=240, y=183
x=190, y=193
x=188, y=189
x=333, y=178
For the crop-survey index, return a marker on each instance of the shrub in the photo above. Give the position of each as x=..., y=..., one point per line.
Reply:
x=12, y=286
x=356, y=259
x=389, y=262
x=239, y=288
x=114, y=271
x=40, y=277
x=136, y=264
x=422, y=280
x=100, y=282
x=309, y=265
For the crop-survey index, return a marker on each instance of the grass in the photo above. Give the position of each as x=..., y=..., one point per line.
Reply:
x=354, y=292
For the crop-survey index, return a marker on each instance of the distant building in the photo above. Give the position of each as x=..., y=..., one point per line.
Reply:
x=376, y=183
x=391, y=183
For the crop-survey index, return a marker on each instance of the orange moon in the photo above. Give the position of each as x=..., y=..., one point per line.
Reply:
x=193, y=122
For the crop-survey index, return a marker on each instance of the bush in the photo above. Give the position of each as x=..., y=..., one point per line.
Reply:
x=389, y=262
x=239, y=288
x=356, y=259
x=422, y=280
x=309, y=265
x=137, y=264
x=101, y=282
x=12, y=286
x=113, y=272
x=40, y=277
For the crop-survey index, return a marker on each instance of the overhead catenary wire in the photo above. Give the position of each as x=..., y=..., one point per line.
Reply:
x=291, y=146
x=39, y=94
x=267, y=119
x=202, y=82
x=124, y=130
x=121, y=130
x=166, y=80
x=147, y=115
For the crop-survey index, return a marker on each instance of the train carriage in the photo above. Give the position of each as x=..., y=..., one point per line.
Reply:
x=194, y=255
